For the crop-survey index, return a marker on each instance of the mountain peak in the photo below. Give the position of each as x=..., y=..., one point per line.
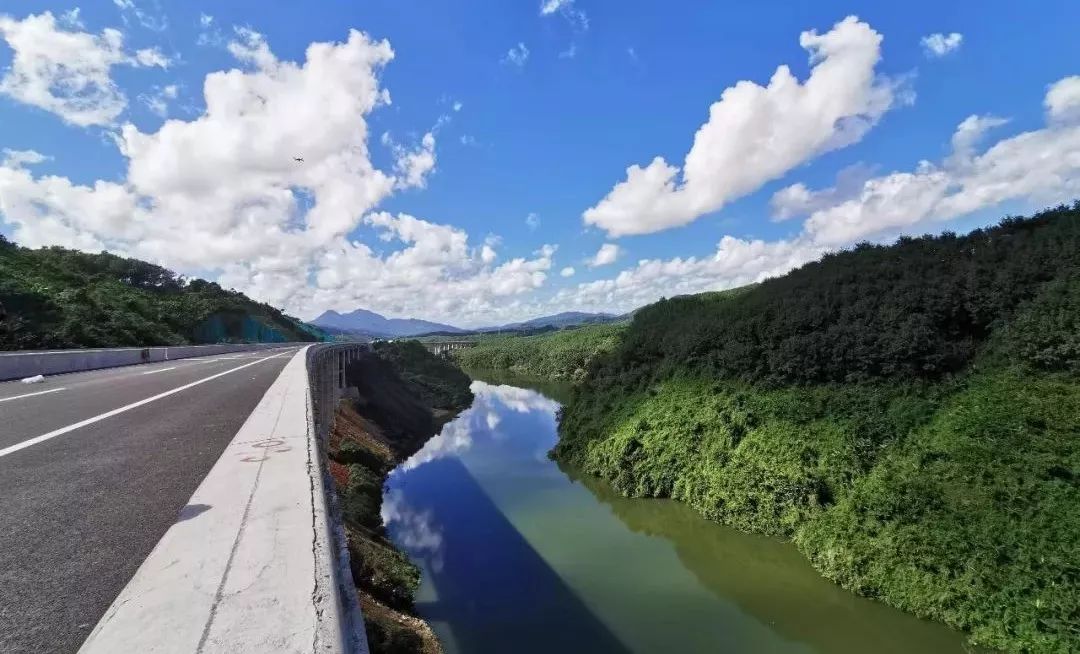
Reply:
x=374, y=324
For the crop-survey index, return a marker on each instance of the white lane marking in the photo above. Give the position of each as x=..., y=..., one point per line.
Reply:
x=154, y=372
x=215, y=359
x=19, y=397
x=108, y=414
x=224, y=358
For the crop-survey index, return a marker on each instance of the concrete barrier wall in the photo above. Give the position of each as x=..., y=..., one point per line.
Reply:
x=262, y=565
x=326, y=366
x=19, y=365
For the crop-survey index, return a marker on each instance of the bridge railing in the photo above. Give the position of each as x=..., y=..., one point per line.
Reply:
x=326, y=366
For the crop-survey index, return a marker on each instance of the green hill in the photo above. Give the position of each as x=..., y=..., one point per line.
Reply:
x=59, y=298
x=908, y=414
x=564, y=354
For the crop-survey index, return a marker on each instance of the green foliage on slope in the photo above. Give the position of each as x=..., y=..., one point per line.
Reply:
x=908, y=414
x=974, y=519
x=57, y=298
x=433, y=380
x=565, y=354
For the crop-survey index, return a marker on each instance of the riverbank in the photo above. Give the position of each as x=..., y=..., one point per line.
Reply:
x=399, y=396
x=906, y=414
x=511, y=543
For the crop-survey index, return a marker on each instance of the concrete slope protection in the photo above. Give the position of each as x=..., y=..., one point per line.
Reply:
x=82, y=510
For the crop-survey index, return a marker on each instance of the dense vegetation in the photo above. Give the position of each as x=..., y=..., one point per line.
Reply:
x=564, y=354
x=908, y=414
x=56, y=298
x=436, y=382
x=403, y=395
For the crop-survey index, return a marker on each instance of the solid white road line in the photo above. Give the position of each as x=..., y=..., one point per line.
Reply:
x=19, y=397
x=108, y=414
x=154, y=372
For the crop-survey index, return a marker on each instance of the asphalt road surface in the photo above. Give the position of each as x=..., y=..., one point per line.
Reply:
x=90, y=483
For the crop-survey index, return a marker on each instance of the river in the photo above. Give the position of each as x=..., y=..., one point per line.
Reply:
x=519, y=555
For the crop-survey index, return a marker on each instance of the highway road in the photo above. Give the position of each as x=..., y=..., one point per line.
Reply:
x=94, y=468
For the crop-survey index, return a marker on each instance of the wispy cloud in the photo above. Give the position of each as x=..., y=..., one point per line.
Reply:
x=939, y=45
x=517, y=55
x=577, y=18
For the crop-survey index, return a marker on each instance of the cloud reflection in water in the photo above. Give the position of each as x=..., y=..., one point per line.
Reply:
x=483, y=416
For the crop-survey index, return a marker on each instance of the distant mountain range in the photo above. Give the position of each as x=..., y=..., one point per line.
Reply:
x=372, y=324
x=368, y=323
x=564, y=319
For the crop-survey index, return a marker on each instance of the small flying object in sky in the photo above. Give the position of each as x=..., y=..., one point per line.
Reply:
x=298, y=159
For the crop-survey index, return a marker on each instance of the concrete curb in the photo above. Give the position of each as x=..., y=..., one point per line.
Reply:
x=18, y=365
x=252, y=564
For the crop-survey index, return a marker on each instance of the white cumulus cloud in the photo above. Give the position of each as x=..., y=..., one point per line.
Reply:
x=221, y=194
x=1037, y=167
x=66, y=71
x=606, y=255
x=567, y=271
x=413, y=165
x=1063, y=99
x=736, y=262
x=758, y=133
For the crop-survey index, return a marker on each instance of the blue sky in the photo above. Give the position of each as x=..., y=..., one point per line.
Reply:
x=422, y=168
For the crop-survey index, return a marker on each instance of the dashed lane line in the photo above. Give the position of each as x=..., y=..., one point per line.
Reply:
x=154, y=372
x=19, y=397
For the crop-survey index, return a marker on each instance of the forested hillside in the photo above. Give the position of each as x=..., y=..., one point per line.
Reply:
x=908, y=414
x=564, y=354
x=58, y=298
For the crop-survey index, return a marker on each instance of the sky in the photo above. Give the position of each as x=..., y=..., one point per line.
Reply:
x=478, y=162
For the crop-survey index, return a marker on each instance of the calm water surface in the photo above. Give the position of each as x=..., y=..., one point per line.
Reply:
x=519, y=555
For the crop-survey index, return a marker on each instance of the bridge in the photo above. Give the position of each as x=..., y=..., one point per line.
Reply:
x=442, y=348
x=173, y=502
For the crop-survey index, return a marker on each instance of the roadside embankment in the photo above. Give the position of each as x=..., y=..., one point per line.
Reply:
x=399, y=396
